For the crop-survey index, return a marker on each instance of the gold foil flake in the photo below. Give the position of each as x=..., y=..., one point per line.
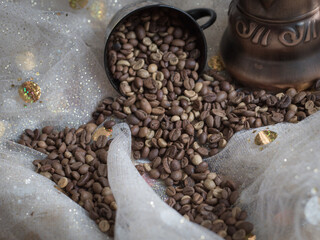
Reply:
x=19, y=79
x=101, y=131
x=265, y=137
x=216, y=63
x=98, y=10
x=2, y=129
x=78, y=4
x=252, y=237
x=26, y=61
x=29, y=92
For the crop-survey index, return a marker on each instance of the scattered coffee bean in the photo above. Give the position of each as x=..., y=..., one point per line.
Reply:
x=104, y=226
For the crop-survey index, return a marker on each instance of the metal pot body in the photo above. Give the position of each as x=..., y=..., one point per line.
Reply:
x=273, y=44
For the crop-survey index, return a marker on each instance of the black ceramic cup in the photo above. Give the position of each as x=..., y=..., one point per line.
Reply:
x=189, y=17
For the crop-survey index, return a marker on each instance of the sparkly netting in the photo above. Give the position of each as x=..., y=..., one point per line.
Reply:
x=59, y=44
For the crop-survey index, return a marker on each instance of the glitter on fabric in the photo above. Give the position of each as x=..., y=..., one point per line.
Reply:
x=265, y=137
x=26, y=61
x=30, y=92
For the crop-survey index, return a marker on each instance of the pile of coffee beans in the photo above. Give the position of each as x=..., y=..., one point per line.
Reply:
x=176, y=118
x=146, y=49
x=78, y=165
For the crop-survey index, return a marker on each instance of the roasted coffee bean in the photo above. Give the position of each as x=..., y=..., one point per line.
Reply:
x=210, y=97
x=203, y=151
x=175, y=110
x=47, y=130
x=109, y=124
x=277, y=117
x=154, y=173
x=170, y=191
x=174, y=134
x=140, y=114
x=176, y=175
x=298, y=98
x=239, y=235
x=83, y=179
x=175, y=165
x=140, y=32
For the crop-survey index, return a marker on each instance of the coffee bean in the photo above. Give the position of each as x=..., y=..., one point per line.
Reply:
x=221, y=96
x=234, y=197
x=289, y=115
x=62, y=183
x=199, y=176
x=90, y=127
x=176, y=175
x=202, y=167
x=102, y=170
x=246, y=226
x=154, y=173
x=203, y=151
x=83, y=179
x=214, y=138
x=277, y=117
x=291, y=92
x=285, y=101
x=83, y=169
x=170, y=191
x=174, y=134
x=210, y=97
x=47, y=130
x=175, y=165
x=109, y=124
x=239, y=235
x=140, y=114
x=190, y=63
x=176, y=110
x=140, y=32
x=42, y=144
x=298, y=98
x=104, y=226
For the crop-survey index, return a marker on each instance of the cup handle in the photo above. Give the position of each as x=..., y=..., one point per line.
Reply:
x=198, y=13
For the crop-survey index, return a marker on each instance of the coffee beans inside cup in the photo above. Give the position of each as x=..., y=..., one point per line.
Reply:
x=177, y=119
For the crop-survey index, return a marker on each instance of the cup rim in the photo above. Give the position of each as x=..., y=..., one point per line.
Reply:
x=112, y=80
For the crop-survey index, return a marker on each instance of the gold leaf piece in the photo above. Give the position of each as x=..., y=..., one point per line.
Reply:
x=29, y=92
x=252, y=237
x=101, y=131
x=216, y=63
x=78, y=4
x=265, y=137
